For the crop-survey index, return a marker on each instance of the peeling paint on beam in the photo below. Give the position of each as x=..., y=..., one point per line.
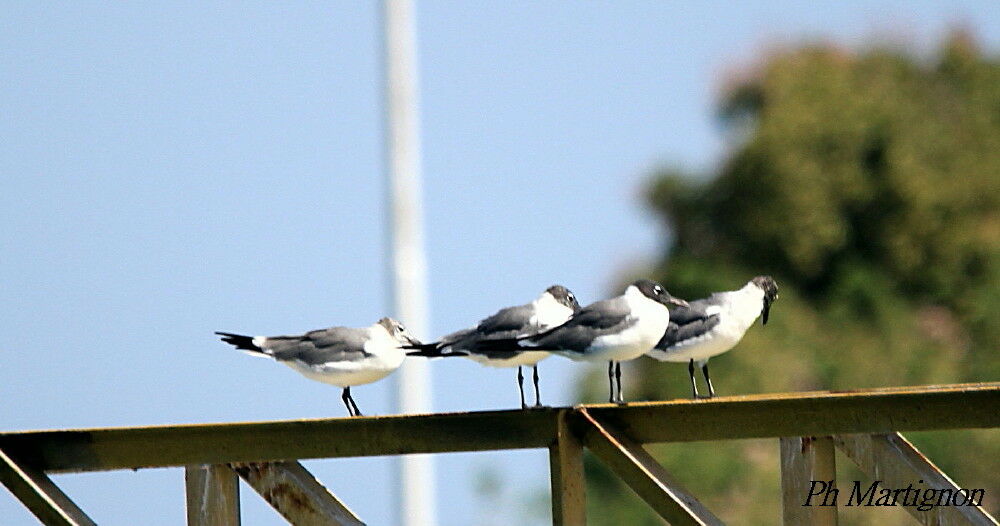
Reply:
x=212, y=496
x=805, y=461
x=294, y=493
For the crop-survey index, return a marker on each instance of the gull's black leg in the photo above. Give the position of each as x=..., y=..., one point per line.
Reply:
x=611, y=382
x=538, y=396
x=520, y=386
x=346, y=397
x=357, y=412
x=704, y=370
x=618, y=377
x=694, y=384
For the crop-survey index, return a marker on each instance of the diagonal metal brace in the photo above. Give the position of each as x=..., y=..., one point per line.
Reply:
x=643, y=474
x=892, y=459
x=294, y=493
x=40, y=495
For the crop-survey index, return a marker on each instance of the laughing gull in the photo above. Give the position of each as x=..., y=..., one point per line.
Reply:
x=714, y=325
x=612, y=330
x=341, y=356
x=552, y=308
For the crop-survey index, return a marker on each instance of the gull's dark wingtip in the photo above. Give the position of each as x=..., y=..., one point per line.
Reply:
x=431, y=350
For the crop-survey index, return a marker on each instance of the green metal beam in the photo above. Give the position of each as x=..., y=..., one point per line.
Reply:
x=569, y=486
x=164, y=446
x=963, y=406
x=774, y=415
x=641, y=472
x=40, y=495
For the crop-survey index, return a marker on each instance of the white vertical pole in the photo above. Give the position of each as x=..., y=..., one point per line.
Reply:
x=406, y=243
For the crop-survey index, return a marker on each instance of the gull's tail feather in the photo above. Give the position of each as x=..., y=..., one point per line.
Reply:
x=241, y=342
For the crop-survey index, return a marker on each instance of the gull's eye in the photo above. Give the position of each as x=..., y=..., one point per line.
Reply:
x=570, y=297
x=657, y=290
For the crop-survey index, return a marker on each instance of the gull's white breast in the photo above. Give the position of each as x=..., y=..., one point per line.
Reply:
x=651, y=319
x=523, y=358
x=736, y=314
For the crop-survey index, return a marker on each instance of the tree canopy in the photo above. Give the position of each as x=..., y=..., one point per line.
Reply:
x=868, y=184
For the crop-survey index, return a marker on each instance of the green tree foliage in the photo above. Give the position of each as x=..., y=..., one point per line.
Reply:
x=868, y=184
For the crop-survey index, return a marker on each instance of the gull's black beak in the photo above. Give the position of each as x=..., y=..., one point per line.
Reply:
x=766, y=311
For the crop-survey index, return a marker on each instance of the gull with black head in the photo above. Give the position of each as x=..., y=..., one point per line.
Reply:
x=612, y=330
x=341, y=356
x=553, y=307
x=711, y=326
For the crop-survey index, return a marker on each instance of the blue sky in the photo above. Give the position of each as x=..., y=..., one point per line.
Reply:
x=171, y=170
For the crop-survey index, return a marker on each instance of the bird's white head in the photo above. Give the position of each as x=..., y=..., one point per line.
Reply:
x=769, y=287
x=563, y=295
x=397, y=331
x=655, y=292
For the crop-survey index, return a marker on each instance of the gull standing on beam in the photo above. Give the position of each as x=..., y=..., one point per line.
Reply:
x=714, y=325
x=552, y=308
x=341, y=356
x=612, y=330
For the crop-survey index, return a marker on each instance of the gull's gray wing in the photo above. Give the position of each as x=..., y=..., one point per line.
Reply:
x=687, y=323
x=693, y=312
x=504, y=324
x=336, y=344
x=451, y=339
x=677, y=335
x=594, y=320
x=511, y=319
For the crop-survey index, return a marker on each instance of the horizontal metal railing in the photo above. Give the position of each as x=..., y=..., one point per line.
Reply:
x=613, y=433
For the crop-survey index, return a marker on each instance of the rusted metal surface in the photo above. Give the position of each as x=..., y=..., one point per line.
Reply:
x=40, y=495
x=213, y=495
x=773, y=415
x=808, y=476
x=291, y=490
x=569, y=486
x=643, y=474
x=893, y=460
x=962, y=406
x=164, y=446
